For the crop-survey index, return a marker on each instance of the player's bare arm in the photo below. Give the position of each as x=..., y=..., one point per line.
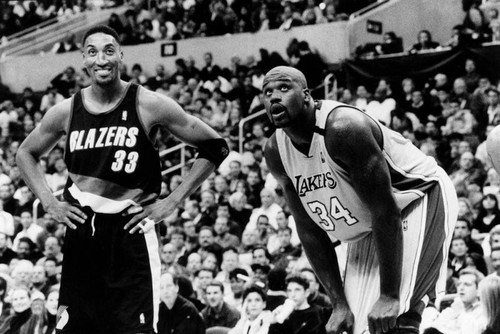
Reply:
x=40, y=141
x=159, y=110
x=355, y=141
x=313, y=238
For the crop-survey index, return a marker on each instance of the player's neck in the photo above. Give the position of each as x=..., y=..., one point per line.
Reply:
x=109, y=93
x=302, y=131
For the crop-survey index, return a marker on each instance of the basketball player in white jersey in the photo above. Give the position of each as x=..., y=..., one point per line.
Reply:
x=346, y=177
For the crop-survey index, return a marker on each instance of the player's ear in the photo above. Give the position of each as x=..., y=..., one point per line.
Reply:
x=307, y=94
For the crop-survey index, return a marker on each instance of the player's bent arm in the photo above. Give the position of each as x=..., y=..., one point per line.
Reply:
x=355, y=141
x=312, y=237
x=40, y=141
x=157, y=109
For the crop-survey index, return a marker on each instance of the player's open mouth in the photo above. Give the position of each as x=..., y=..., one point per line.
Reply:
x=277, y=110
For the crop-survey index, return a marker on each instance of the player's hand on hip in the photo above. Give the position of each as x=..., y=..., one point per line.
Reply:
x=383, y=315
x=341, y=321
x=144, y=217
x=63, y=212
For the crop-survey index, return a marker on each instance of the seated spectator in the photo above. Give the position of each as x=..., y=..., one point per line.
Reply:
x=493, y=106
x=458, y=120
x=391, y=44
x=381, y=106
x=50, y=99
x=309, y=319
x=494, y=260
x=223, y=237
x=58, y=179
x=286, y=248
x=39, y=280
x=315, y=297
x=4, y=306
x=230, y=262
x=464, y=313
x=494, y=23
x=463, y=228
x=67, y=45
x=29, y=229
x=268, y=208
x=248, y=242
x=193, y=264
x=239, y=211
x=238, y=279
x=458, y=252
x=21, y=307
x=176, y=313
x=254, y=319
x=6, y=253
x=362, y=97
x=169, y=263
x=475, y=27
x=424, y=42
x=224, y=210
x=488, y=217
x=489, y=294
x=260, y=275
x=218, y=313
x=276, y=292
x=467, y=173
x=290, y=17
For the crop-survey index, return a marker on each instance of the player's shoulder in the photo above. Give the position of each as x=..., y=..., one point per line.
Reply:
x=61, y=109
x=149, y=99
x=272, y=155
x=343, y=122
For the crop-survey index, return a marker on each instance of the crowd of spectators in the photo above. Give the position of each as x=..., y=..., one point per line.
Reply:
x=174, y=20
x=235, y=239
x=480, y=25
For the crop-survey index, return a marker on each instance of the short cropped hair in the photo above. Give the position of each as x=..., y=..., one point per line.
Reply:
x=256, y=289
x=472, y=271
x=297, y=279
x=101, y=29
x=215, y=282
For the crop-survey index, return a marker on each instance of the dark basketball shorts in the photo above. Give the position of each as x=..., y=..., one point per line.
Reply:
x=110, y=278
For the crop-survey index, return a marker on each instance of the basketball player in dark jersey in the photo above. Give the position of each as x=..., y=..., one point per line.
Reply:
x=111, y=267
x=346, y=177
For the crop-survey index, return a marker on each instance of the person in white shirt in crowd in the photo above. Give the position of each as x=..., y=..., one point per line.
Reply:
x=268, y=208
x=30, y=229
x=254, y=318
x=463, y=316
x=58, y=179
x=495, y=261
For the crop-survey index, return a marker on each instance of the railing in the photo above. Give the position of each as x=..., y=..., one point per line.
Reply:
x=40, y=37
x=242, y=123
x=367, y=9
x=179, y=147
x=30, y=36
x=326, y=83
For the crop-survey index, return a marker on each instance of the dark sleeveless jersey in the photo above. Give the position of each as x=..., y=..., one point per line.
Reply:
x=112, y=162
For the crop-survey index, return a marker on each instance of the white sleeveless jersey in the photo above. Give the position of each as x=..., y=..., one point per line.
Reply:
x=326, y=190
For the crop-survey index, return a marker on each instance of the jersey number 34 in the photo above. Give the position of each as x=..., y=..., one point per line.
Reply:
x=337, y=211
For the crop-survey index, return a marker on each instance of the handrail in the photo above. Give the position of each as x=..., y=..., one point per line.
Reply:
x=367, y=9
x=242, y=123
x=334, y=86
x=179, y=147
x=41, y=30
x=33, y=28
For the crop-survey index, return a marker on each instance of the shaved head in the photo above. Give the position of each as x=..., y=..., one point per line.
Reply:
x=285, y=73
